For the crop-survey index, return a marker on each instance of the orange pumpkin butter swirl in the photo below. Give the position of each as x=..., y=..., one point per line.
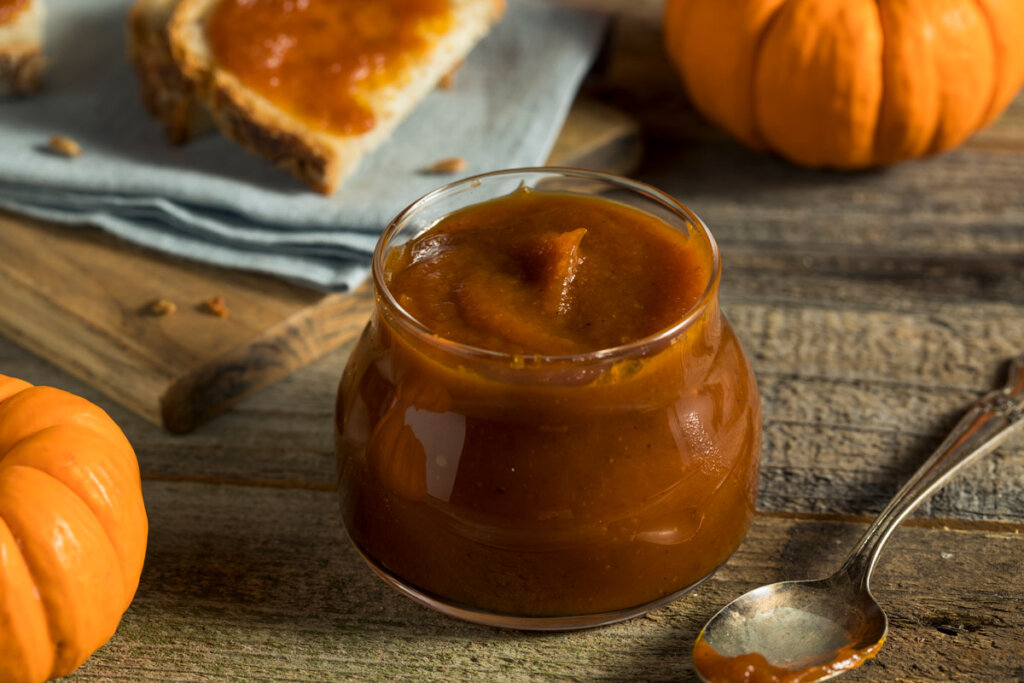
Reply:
x=317, y=59
x=10, y=9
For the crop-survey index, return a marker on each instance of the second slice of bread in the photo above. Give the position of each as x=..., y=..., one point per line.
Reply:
x=319, y=158
x=21, y=50
x=166, y=92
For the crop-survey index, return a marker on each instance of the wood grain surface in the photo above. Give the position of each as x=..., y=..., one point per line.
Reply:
x=62, y=283
x=875, y=307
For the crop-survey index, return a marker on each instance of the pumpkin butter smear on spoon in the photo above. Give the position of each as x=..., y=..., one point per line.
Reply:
x=802, y=631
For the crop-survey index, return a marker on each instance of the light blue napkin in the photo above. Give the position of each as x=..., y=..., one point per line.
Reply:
x=212, y=201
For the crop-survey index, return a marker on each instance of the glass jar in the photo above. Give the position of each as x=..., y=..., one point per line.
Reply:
x=547, y=492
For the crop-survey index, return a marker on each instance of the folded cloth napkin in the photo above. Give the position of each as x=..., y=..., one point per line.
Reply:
x=213, y=202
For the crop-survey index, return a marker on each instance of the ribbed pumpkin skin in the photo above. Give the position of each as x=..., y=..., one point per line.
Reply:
x=73, y=530
x=848, y=83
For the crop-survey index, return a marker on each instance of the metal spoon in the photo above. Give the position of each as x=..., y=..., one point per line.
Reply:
x=813, y=630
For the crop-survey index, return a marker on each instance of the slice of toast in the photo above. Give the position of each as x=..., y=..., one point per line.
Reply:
x=21, y=50
x=167, y=94
x=319, y=158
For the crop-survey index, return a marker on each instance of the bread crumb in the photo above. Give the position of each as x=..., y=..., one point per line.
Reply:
x=447, y=81
x=450, y=165
x=217, y=306
x=162, y=307
x=65, y=146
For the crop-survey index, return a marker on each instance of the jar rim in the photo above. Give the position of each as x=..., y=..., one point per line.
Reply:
x=629, y=348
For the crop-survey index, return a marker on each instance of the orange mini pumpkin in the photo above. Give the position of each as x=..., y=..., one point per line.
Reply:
x=72, y=530
x=848, y=83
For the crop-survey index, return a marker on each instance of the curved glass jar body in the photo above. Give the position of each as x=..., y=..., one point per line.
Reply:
x=542, y=491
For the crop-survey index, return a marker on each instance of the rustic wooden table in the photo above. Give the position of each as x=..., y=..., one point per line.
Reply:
x=875, y=307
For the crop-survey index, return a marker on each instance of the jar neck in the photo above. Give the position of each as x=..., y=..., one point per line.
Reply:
x=697, y=335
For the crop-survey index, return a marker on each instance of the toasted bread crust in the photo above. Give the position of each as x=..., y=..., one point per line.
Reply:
x=300, y=154
x=165, y=91
x=319, y=159
x=21, y=73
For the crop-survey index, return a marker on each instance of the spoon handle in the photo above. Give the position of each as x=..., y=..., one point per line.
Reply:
x=989, y=421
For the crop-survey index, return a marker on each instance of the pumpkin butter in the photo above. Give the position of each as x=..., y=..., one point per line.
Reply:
x=548, y=416
x=543, y=273
x=10, y=9
x=755, y=668
x=316, y=59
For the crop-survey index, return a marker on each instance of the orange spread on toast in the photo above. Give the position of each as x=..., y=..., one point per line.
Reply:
x=316, y=59
x=10, y=9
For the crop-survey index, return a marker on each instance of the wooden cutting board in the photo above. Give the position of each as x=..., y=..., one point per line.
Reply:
x=81, y=299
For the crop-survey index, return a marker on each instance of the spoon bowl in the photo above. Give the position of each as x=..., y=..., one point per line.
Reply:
x=820, y=624
x=803, y=631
